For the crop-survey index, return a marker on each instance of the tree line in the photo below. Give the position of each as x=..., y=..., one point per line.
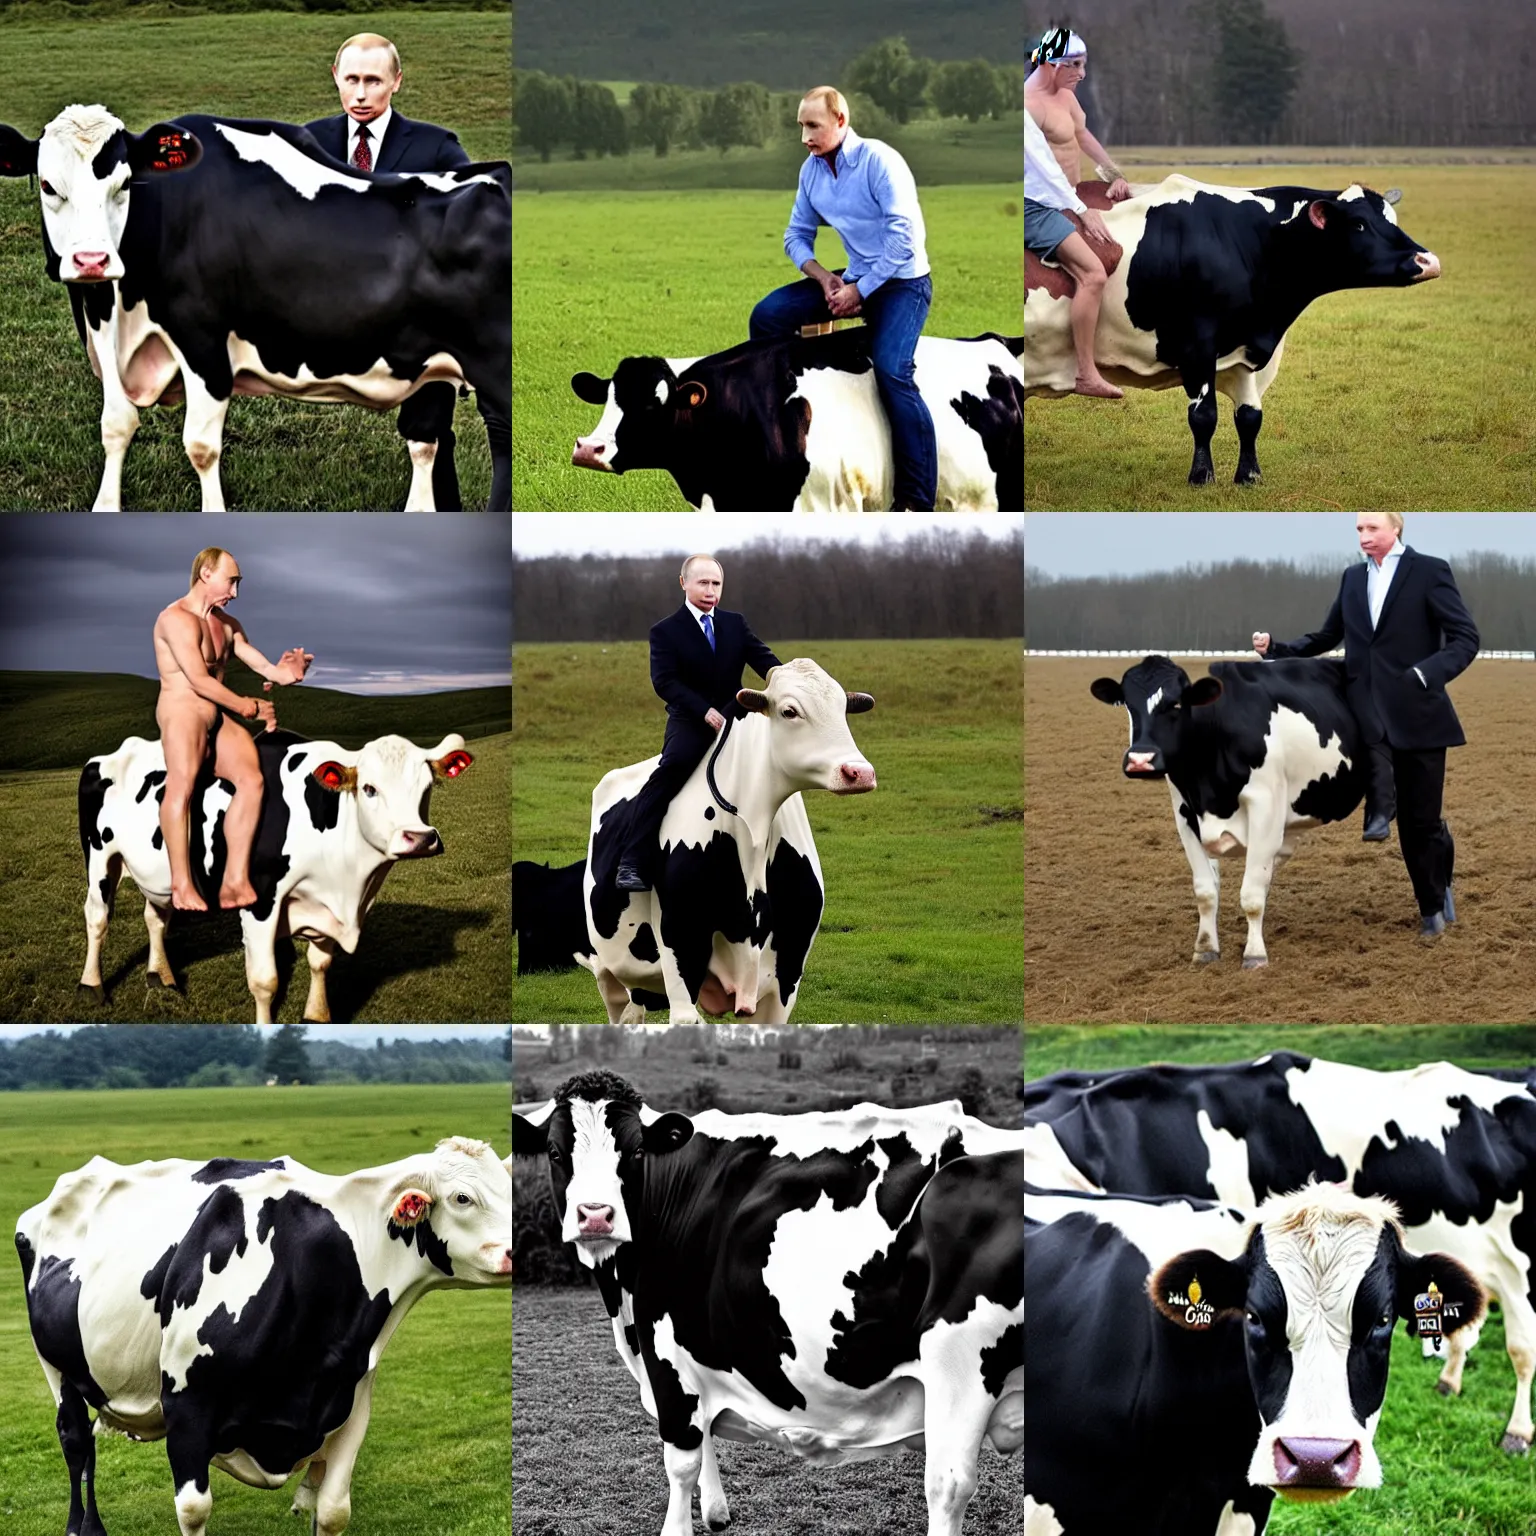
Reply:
x=937, y=585
x=225, y=1056
x=886, y=84
x=1218, y=607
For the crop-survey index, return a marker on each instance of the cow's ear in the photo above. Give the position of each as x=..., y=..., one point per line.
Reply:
x=588, y=387
x=450, y=765
x=1322, y=210
x=1457, y=1299
x=530, y=1137
x=18, y=155
x=337, y=776
x=411, y=1208
x=1107, y=691
x=751, y=699
x=668, y=1132
x=1194, y=1289
x=1393, y=195
x=860, y=703
x=1205, y=690
x=162, y=149
x=692, y=394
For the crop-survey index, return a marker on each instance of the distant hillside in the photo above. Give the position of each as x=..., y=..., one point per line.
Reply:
x=59, y=719
x=716, y=42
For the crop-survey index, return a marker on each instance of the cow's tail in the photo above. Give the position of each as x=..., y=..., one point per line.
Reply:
x=1015, y=344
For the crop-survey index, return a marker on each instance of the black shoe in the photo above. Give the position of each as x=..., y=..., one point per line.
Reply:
x=1378, y=829
x=1431, y=927
x=629, y=878
x=1448, y=912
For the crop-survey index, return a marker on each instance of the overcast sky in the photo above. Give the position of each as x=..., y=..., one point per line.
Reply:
x=388, y=604
x=682, y=533
x=1133, y=543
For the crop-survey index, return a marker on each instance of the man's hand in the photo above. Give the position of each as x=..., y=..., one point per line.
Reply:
x=844, y=300
x=292, y=665
x=714, y=720
x=1094, y=226
x=1119, y=190
x=261, y=709
x=1260, y=641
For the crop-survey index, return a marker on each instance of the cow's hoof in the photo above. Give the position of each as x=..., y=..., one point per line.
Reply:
x=1445, y=1389
x=1202, y=477
x=153, y=980
x=1515, y=1445
x=1254, y=479
x=1253, y=962
x=99, y=993
x=1208, y=957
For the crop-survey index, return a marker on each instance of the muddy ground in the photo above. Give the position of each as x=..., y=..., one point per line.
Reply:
x=1109, y=910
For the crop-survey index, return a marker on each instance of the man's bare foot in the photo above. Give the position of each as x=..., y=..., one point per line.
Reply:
x=242, y=895
x=1099, y=388
x=184, y=898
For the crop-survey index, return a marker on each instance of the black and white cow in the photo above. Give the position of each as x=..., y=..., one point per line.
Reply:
x=1211, y=279
x=797, y=425
x=333, y=823
x=1253, y=754
x=1187, y=1362
x=1455, y=1151
x=238, y=1310
x=210, y=257
x=842, y=1285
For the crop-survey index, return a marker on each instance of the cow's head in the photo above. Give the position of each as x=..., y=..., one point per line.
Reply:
x=390, y=780
x=1319, y=1289
x=455, y=1209
x=1156, y=694
x=807, y=713
x=596, y=1134
x=643, y=405
x=1357, y=234
x=84, y=163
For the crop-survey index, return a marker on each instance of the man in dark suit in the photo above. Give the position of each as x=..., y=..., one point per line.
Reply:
x=697, y=656
x=371, y=135
x=1406, y=634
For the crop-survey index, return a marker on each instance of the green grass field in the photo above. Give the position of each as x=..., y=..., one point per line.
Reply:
x=924, y=877
x=1385, y=399
x=601, y=276
x=436, y=943
x=277, y=453
x=442, y=1404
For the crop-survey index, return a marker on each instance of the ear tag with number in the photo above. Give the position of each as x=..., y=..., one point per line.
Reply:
x=1198, y=1312
x=1427, y=1307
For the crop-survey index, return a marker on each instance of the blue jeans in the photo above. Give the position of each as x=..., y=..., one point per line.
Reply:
x=893, y=314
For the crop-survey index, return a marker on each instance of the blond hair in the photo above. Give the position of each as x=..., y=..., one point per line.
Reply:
x=830, y=97
x=204, y=559
x=682, y=575
x=368, y=40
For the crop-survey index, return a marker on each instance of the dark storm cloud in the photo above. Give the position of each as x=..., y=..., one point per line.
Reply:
x=387, y=604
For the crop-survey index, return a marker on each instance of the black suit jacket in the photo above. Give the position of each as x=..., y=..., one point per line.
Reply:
x=408, y=145
x=692, y=678
x=1423, y=624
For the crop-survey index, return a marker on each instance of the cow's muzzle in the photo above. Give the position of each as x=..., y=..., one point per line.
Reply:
x=1305, y=1466
x=594, y=1222
x=853, y=779
x=592, y=453
x=417, y=843
x=1428, y=264
x=92, y=267
x=1142, y=765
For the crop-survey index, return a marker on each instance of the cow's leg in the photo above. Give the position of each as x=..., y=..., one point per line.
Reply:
x=1520, y=1341
x=202, y=435
x=333, y=1499
x=119, y=415
x=614, y=993
x=159, y=970
x=309, y=1486
x=683, y=1469
x=1457, y=1348
x=715, y=1511
x=494, y=398
x=1248, y=414
x=684, y=1007
x=1206, y=873
x=79, y=1447
x=317, y=1007
x=1266, y=833
x=1201, y=389
x=101, y=876
x=419, y=497
x=194, y=1498
x=261, y=961
x=955, y=1413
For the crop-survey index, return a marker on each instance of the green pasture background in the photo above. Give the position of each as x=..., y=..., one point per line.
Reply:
x=924, y=877
x=436, y=943
x=442, y=1405
x=278, y=454
x=1386, y=399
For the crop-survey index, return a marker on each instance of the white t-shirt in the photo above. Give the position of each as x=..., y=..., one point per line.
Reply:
x=1044, y=180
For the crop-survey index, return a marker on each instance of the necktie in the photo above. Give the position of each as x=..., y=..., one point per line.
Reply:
x=362, y=156
x=709, y=630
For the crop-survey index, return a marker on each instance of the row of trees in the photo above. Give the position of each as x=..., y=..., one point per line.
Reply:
x=886, y=86
x=1218, y=607
x=937, y=585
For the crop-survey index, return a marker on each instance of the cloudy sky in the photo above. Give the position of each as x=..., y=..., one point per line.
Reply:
x=388, y=604
x=1131, y=543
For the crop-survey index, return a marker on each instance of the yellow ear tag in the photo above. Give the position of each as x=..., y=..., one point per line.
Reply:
x=1195, y=1292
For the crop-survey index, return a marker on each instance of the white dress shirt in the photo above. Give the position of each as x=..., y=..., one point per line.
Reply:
x=377, y=127
x=698, y=614
x=1378, y=578
x=1044, y=180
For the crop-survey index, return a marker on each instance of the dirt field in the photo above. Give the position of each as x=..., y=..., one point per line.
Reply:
x=1109, y=910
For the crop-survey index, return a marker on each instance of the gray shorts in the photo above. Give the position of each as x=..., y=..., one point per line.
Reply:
x=1045, y=228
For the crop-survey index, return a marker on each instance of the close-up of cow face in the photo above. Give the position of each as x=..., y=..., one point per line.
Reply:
x=807, y=713
x=391, y=786
x=464, y=1194
x=1363, y=236
x=1156, y=695
x=640, y=412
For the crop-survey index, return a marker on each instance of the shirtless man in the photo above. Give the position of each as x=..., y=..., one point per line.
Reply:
x=193, y=640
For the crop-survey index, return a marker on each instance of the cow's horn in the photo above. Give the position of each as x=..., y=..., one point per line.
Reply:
x=860, y=703
x=1393, y=195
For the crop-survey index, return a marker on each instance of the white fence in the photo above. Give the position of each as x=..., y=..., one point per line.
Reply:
x=1153, y=650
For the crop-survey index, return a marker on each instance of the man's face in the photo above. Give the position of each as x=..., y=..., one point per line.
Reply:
x=1376, y=533
x=223, y=581
x=702, y=584
x=365, y=81
x=1069, y=72
x=820, y=131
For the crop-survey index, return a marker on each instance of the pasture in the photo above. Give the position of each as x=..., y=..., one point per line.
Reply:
x=1386, y=399
x=278, y=454
x=923, y=876
x=1109, y=910
x=603, y=275
x=441, y=1406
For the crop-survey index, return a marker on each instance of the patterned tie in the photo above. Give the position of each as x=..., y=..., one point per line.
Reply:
x=709, y=630
x=362, y=156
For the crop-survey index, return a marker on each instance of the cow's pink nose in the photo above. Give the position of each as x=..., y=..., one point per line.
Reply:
x=1138, y=762
x=1306, y=1463
x=588, y=454
x=91, y=261
x=1429, y=265
x=855, y=778
x=597, y=1219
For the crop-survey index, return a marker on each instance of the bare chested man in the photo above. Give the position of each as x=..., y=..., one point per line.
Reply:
x=1050, y=98
x=194, y=638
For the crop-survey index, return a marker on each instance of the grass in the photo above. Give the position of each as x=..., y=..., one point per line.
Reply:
x=1385, y=400
x=597, y=277
x=277, y=453
x=442, y=1402
x=923, y=877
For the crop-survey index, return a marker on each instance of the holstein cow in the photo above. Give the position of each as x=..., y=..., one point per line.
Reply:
x=841, y=1285
x=1454, y=1150
x=332, y=824
x=1188, y=1362
x=1253, y=754
x=797, y=425
x=238, y=1310
x=210, y=257
x=1211, y=279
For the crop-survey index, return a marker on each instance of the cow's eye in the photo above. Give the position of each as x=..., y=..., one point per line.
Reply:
x=1387, y=1319
x=789, y=713
x=554, y=1154
x=462, y=1199
x=47, y=187
x=370, y=791
x=1360, y=226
